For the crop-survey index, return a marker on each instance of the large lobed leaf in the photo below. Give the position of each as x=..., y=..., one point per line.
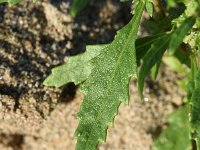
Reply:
x=108, y=85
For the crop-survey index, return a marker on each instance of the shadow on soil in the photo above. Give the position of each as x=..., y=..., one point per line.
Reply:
x=29, y=63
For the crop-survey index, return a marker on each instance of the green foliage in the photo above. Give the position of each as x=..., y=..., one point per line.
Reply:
x=171, y=40
x=154, y=54
x=177, y=134
x=143, y=44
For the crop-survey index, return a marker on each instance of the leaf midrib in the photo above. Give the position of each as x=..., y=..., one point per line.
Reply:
x=124, y=48
x=121, y=54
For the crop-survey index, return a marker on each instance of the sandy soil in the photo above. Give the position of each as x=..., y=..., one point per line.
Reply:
x=37, y=37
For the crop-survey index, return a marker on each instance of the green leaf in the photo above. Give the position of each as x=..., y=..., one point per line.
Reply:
x=153, y=55
x=108, y=85
x=195, y=109
x=177, y=135
x=77, y=6
x=76, y=70
x=178, y=36
x=149, y=8
x=158, y=48
x=143, y=44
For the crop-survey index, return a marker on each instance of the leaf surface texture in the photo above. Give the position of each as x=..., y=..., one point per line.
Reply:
x=108, y=85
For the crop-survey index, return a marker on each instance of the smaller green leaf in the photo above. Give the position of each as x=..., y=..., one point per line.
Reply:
x=77, y=6
x=158, y=48
x=153, y=55
x=180, y=33
x=177, y=135
x=149, y=8
x=143, y=44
